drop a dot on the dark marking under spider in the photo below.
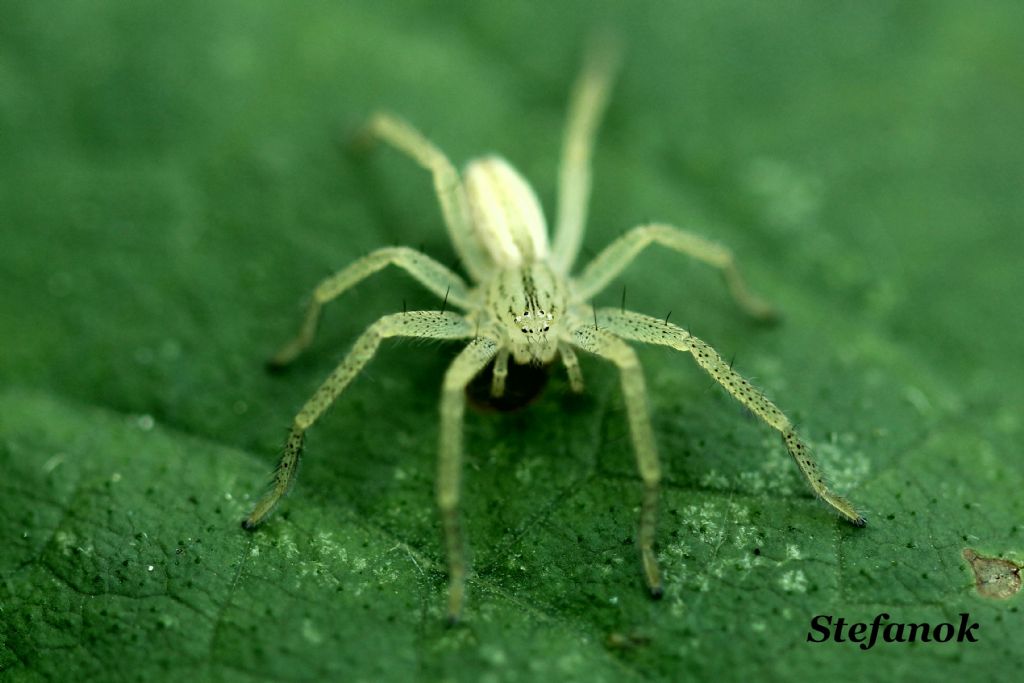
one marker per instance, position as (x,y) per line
(523,385)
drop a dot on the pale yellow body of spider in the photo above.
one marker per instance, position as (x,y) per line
(524,304)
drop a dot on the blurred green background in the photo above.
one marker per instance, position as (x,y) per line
(174,180)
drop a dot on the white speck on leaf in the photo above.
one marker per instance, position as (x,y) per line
(310,632)
(793,581)
(53,463)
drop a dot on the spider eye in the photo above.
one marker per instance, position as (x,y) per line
(525,330)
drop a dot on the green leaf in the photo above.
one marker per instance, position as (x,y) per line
(172,185)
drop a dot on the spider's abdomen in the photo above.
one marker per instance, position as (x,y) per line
(506,216)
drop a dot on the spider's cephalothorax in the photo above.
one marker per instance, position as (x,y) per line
(528,305)
(524,306)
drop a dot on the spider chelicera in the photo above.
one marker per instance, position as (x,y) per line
(524,304)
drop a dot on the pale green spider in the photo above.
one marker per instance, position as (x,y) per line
(523,303)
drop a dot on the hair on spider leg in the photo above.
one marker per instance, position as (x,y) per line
(743,409)
(444,304)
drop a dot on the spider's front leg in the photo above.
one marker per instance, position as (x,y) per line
(650,330)
(463,369)
(421,324)
(602,343)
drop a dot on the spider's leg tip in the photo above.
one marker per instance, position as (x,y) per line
(859,522)
(451,621)
(248,524)
(360,143)
(657,592)
(274,366)
(770,317)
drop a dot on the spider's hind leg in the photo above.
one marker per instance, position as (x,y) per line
(447,184)
(587,105)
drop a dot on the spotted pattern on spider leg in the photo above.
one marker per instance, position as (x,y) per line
(416,324)
(419,324)
(745,393)
(284,478)
(636,326)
